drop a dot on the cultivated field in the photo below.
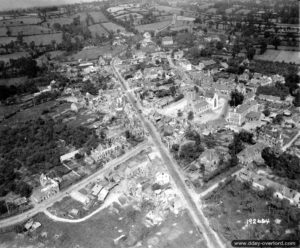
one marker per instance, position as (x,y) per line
(26,29)
(112,26)
(103,228)
(280,55)
(17,55)
(168,9)
(97,29)
(12,81)
(152,26)
(44,39)
(61,21)
(7,40)
(98,16)
(94,53)
(20,21)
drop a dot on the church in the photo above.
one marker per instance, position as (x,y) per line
(200,104)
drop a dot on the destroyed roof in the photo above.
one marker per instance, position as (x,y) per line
(201,104)
(245,106)
(208,62)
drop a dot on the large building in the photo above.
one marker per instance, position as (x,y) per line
(200,104)
(238,115)
(49,187)
(271,137)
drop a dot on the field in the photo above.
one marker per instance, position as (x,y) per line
(94,53)
(17,55)
(34,112)
(6,40)
(279,56)
(135,16)
(112,26)
(44,39)
(231,205)
(26,29)
(168,9)
(97,29)
(12,81)
(152,26)
(60,20)
(20,21)
(98,16)
(105,227)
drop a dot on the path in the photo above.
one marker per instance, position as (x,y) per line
(291,142)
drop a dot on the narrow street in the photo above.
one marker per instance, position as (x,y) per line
(213,240)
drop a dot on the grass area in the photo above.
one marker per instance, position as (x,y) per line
(94,53)
(60,20)
(20,21)
(7,40)
(7,57)
(152,26)
(13,81)
(97,29)
(112,26)
(230,205)
(104,227)
(45,39)
(33,112)
(280,56)
(98,16)
(26,29)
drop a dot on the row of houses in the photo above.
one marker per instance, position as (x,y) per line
(260,182)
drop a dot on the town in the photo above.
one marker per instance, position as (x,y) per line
(163,123)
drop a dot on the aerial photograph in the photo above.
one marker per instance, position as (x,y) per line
(149,123)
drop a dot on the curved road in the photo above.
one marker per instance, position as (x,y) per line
(211,237)
(49,202)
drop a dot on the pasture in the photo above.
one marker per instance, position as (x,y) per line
(44,39)
(168,9)
(60,20)
(112,26)
(7,40)
(279,56)
(29,20)
(26,29)
(152,26)
(97,29)
(94,53)
(97,16)
(6,57)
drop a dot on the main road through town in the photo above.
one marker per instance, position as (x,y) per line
(49,202)
(213,240)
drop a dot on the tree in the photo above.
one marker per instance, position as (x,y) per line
(276,42)
(292,79)
(246,137)
(278,119)
(219,45)
(236,145)
(251,52)
(3,208)
(236,98)
(297,99)
(90,88)
(236,49)
(266,112)
(23,189)
(190,115)
(263,46)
